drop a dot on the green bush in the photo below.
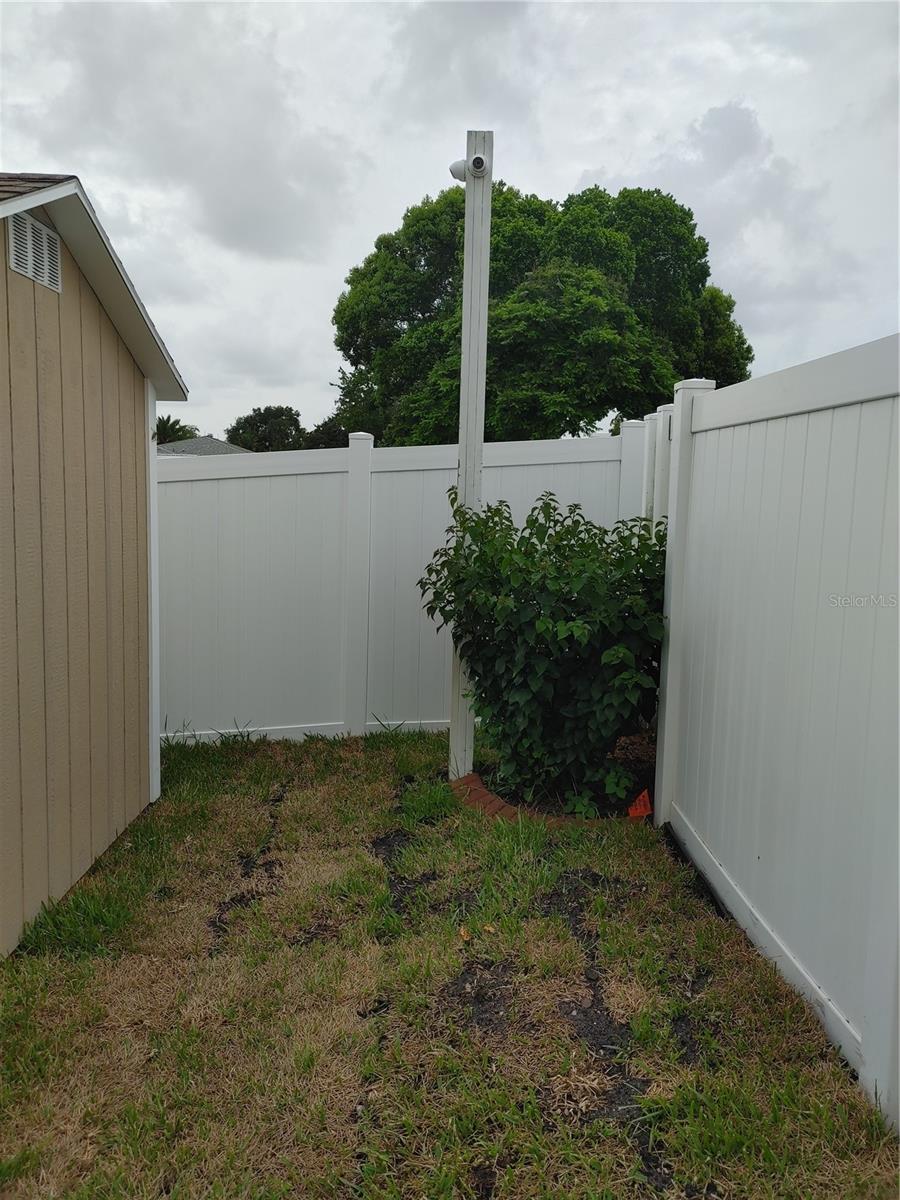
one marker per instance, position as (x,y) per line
(559,625)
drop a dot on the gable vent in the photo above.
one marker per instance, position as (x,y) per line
(34,251)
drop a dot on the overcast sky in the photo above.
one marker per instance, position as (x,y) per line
(244,157)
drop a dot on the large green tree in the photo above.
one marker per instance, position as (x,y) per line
(597,305)
(275,427)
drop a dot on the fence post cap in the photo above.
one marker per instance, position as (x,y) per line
(697,385)
(358,437)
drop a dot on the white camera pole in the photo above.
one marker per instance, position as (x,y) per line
(475,171)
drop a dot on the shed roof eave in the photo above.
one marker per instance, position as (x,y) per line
(77,224)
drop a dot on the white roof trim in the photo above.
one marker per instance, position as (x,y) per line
(78,226)
(69,187)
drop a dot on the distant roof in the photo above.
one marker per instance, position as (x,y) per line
(73,216)
(201,445)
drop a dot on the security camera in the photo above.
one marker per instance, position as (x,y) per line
(476,166)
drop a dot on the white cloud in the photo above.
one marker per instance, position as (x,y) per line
(245,157)
(773,241)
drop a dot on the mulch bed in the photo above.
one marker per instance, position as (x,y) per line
(473,792)
(636,753)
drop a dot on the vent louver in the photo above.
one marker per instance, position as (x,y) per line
(34,251)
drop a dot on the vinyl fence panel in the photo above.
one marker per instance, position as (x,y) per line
(778,768)
(252,594)
(289,601)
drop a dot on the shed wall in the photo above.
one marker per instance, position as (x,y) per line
(74,635)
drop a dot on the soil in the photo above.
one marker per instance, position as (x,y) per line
(685,1035)
(484,1180)
(252,863)
(595,1025)
(698,983)
(218,922)
(461,901)
(388,847)
(567,899)
(698,883)
(403,888)
(637,754)
(485,989)
(258,868)
(571,894)
(320,929)
(608,1039)
(379,1005)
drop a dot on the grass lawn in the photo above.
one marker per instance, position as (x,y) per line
(309,972)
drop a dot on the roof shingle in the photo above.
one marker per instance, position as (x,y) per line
(201,445)
(14,184)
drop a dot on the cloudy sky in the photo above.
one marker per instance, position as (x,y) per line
(244,157)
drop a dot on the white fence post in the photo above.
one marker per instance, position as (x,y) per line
(673,652)
(665,416)
(356,640)
(649,465)
(631,468)
(477,171)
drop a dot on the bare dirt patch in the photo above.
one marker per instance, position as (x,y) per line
(573,891)
(374,1008)
(402,888)
(686,1035)
(598,1014)
(258,868)
(388,846)
(320,929)
(594,1024)
(484,1180)
(484,991)
(460,901)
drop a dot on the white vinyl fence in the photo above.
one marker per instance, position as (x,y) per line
(778,769)
(288,597)
(289,605)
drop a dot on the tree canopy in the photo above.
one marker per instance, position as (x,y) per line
(170,429)
(275,427)
(598,305)
(328,433)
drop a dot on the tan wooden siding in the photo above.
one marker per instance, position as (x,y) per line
(11,896)
(74,612)
(95,488)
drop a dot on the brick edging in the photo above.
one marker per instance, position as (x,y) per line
(471,791)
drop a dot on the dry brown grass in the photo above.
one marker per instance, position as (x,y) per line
(577,1093)
(625,995)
